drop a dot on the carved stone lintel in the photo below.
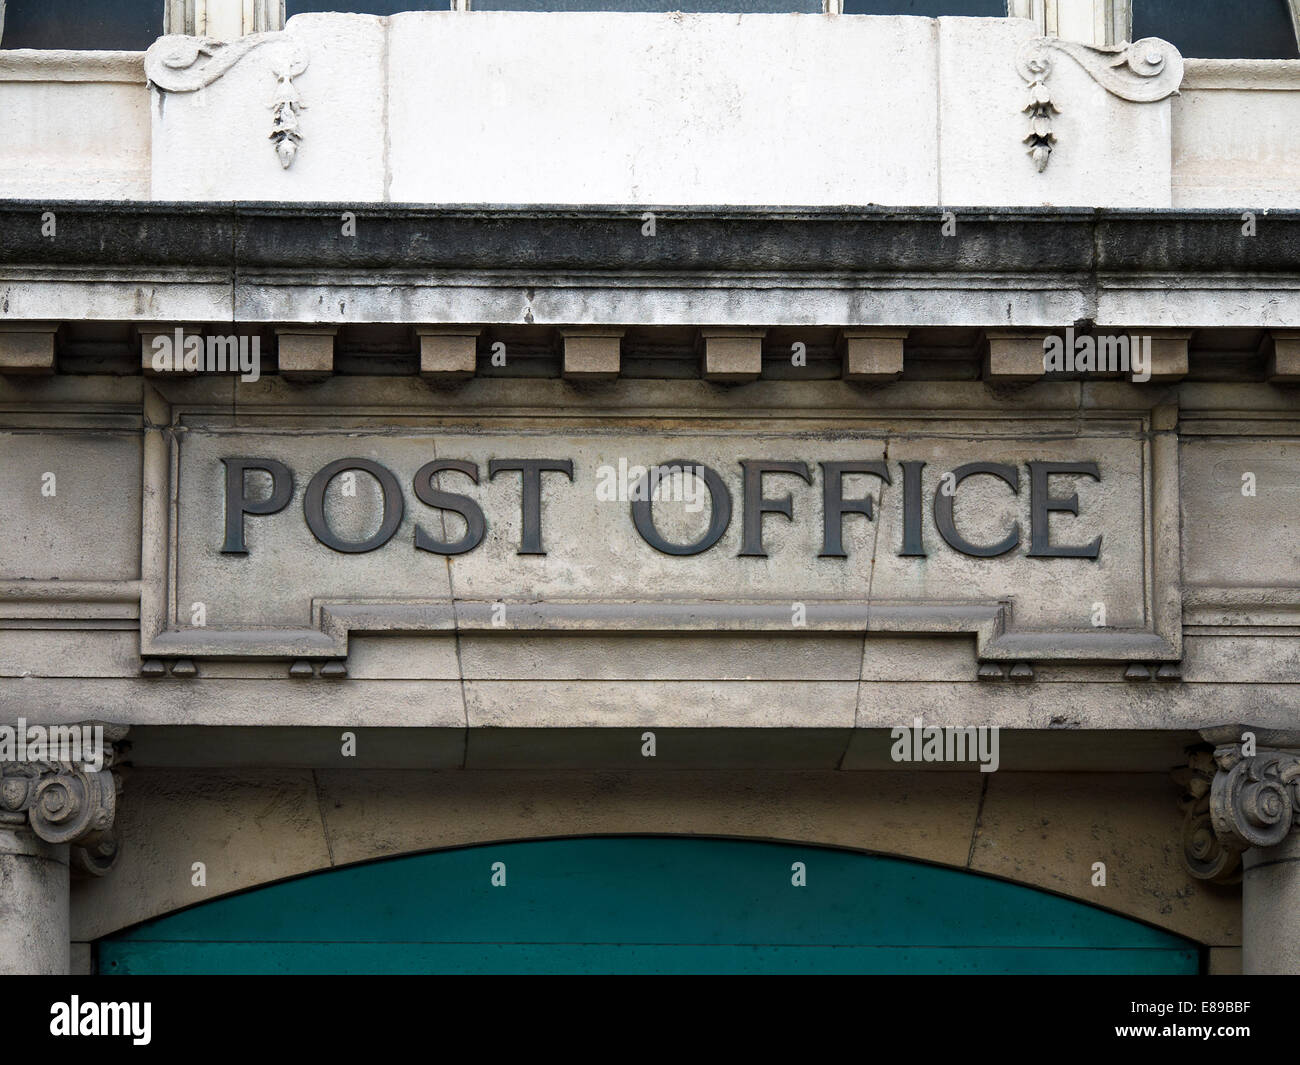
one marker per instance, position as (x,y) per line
(1239,797)
(181,64)
(1142,72)
(68,801)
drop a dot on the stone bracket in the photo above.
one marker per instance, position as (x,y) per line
(181,64)
(67,802)
(1144,71)
(1241,796)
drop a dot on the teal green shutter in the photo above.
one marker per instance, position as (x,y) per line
(645,905)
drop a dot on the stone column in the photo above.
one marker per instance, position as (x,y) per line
(1243,807)
(56,817)
(1270,909)
(33,904)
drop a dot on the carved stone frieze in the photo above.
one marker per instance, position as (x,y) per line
(181,64)
(73,802)
(1142,72)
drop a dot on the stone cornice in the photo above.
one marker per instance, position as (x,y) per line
(705,266)
(1273,74)
(608,237)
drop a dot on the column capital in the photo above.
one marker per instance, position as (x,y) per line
(1241,796)
(63,801)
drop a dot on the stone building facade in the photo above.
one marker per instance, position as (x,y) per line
(336,360)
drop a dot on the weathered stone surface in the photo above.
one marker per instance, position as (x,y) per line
(592,354)
(653,109)
(245,829)
(50,483)
(446,354)
(1014,355)
(27,348)
(922,815)
(1282,350)
(1050,830)
(305,353)
(1225,961)
(1220,143)
(984,127)
(1216,475)
(731,354)
(1227,142)
(224,262)
(97,102)
(872,355)
(1270,896)
(593,550)
(33,905)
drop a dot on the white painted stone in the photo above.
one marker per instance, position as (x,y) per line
(661,108)
(649,109)
(1234,135)
(73,125)
(1109,152)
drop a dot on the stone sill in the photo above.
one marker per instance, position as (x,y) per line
(41,64)
(1241,74)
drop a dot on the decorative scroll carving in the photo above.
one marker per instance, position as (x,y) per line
(1255,799)
(1204,854)
(1237,800)
(1142,72)
(67,802)
(187,64)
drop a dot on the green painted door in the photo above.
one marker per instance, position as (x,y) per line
(645,905)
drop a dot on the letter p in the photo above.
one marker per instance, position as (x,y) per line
(238,504)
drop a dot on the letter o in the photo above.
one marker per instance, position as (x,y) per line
(313,506)
(719,517)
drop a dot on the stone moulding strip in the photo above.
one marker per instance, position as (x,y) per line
(69,591)
(987,622)
(1229,605)
(1205,596)
(716,266)
(58,64)
(69,598)
(1280,75)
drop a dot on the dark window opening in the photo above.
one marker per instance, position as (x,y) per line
(741,7)
(364,7)
(927,8)
(1219,29)
(104,25)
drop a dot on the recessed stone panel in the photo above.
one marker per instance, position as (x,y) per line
(292,539)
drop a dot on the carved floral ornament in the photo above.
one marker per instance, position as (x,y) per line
(181,64)
(1235,799)
(67,802)
(1142,72)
